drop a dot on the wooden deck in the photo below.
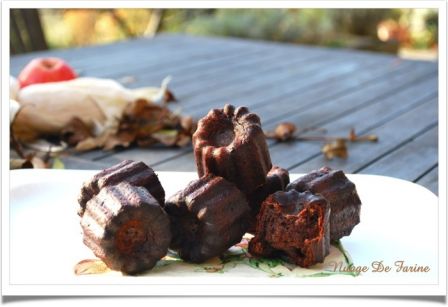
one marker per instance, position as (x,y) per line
(334,89)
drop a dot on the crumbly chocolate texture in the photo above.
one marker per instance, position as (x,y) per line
(294,226)
(276,180)
(136,173)
(126,227)
(341,194)
(207,217)
(230,143)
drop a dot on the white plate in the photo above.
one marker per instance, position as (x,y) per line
(398,223)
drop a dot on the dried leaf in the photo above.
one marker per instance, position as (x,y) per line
(166,137)
(20,163)
(76,131)
(91,266)
(187,124)
(146,142)
(122,139)
(337,148)
(183,140)
(284,131)
(58,164)
(355,138)
(169,97)
(92,143)
(352,135)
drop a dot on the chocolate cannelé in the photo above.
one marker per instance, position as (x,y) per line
(126,227)
(230,143)
(294,226)
(136,173)
(207,217)
(341,194)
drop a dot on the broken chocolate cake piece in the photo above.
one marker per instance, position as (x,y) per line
(126,227)
(207,217)
(293,226)
(136,173)
(276,180)
(341,194)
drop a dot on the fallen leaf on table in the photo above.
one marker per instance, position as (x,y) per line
(20,163)
(284,131)
(169,97)
(353,137)
(337,148)
(121,139)
(187,123)
(75,131)
(91,266)
(58,164)
(93,142)
(166,137)
(183,140)
(334,146)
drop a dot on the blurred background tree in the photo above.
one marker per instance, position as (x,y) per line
(386,30)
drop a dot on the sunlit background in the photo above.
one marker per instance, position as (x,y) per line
(411,33)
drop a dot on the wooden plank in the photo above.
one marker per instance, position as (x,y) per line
(78,55)
(357,93)
(265,77)
(138,57)
(76,163)
(279,85)
(187,82)
(150,156)
(283,58)
(392,135)
(365,120)
(411,160)
(146,63)
(307,88)
(381,98)
(430,180)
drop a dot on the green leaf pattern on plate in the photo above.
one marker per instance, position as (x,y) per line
(237,260)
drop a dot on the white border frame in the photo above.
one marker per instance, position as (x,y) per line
(189,288)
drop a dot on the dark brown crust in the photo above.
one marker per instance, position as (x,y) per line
(207,217)
(230,143)
(111,212)
(294,226)
(340,192)
(276,180)
(136,173)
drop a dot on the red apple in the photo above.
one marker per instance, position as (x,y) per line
(42,70)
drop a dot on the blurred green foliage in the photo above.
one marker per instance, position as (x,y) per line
(357,28)
(330,27)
